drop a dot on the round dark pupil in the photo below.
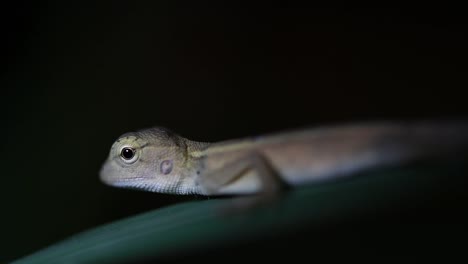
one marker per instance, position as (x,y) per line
(127,153)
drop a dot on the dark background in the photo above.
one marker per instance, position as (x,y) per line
(76,76)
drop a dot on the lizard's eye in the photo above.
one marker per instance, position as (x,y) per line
(128,154)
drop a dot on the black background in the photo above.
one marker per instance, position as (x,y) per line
(76,76)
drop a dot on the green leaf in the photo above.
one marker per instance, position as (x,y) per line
(374,209)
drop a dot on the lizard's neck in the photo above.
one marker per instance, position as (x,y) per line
(193,165)
(195,149)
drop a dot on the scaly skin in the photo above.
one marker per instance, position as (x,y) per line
(167,163)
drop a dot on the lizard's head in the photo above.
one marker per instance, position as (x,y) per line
(153,159)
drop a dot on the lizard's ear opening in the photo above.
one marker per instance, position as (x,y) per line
(166,167)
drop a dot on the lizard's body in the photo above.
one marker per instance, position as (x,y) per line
(167,163)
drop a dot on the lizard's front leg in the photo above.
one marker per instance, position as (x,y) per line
(212,181)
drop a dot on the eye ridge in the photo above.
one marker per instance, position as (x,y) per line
(127,153)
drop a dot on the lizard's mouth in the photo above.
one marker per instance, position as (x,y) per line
(132,179)
(137,183)
(123,181)
(112,175)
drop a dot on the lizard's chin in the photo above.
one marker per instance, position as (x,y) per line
(122,182)
(134,183)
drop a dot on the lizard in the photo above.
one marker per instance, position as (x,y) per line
(159,160)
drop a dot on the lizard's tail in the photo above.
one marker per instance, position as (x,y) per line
(424,140)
